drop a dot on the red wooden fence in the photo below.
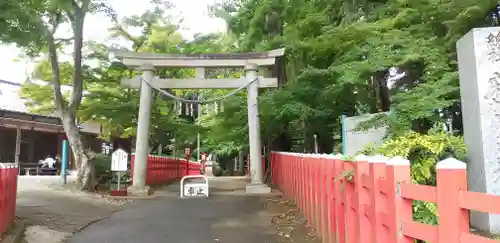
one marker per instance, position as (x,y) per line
(8,194)
(376,205)
(162,169)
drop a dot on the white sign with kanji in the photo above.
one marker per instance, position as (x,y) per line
(119,160)
(189,188)
(195,190)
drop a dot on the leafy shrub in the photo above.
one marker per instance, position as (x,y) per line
(102,166)
(424,151)
(216,169)
(125,180)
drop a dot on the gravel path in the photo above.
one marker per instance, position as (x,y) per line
(53,212)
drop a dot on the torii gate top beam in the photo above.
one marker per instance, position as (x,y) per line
(134,59)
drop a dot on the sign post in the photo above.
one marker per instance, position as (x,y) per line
(203,162)
(64,160)
(119,160)
(187,152)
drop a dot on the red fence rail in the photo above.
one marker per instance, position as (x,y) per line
(162,169)
(8,194)
(375,205)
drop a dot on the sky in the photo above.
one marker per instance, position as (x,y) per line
(193,12)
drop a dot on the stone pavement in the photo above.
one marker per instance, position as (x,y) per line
(227,216)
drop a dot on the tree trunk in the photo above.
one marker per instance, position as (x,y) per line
(67,110)
(241,161)
(86,176)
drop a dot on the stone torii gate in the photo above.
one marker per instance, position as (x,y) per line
(147,62)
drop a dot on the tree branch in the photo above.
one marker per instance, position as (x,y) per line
(54,21)
(85,6)
(63,40)
(77,79)
(56,74)
(70,16)
(137,42)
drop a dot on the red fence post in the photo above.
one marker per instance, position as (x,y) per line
(286,177)
(350,206)
(300,174)
(453,220)
(162,177)
(340,200)
(291,174)
(277,168)
(14,171)
(309,185)
(378,200)
(323,199)
(283,158)
(8,193)
(330,198)
(3,198)
(168,168)
(273,167)
(312,187)
(363,189)
(399,209)
(315,189)
(301,171)
(286,159)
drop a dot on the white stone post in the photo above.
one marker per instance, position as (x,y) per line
(480,96)
(139,187)
(257,185)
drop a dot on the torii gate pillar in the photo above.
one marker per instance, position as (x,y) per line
(139,187)
(257,175)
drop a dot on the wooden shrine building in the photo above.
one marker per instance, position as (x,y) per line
(26,138)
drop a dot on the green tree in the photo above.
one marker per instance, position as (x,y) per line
(106,102)
(32,26)
(343,58)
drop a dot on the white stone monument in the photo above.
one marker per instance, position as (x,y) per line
(356,140)
(479,69)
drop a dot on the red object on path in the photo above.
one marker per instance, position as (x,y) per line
(8,194)
(203,160)
(119,193)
